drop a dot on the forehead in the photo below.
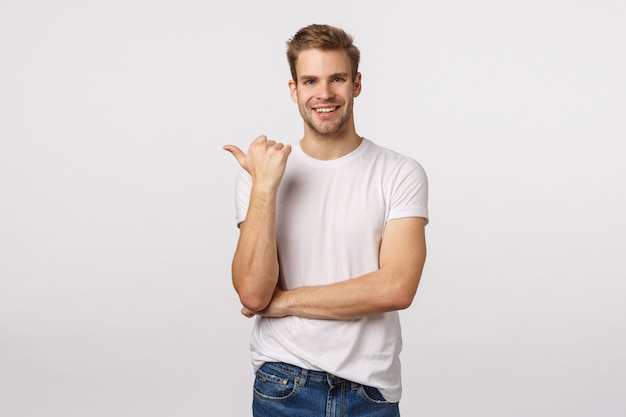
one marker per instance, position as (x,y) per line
(319,63)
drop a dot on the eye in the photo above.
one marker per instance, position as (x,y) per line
(307,82)
(339,80)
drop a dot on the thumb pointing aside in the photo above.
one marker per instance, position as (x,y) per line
(237,153)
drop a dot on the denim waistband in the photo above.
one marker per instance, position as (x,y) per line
(302,375)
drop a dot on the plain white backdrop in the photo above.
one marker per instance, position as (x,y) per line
(117,220)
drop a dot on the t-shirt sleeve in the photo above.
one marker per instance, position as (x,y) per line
(243,188)
(409,195)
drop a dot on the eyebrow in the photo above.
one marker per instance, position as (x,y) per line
(313,77)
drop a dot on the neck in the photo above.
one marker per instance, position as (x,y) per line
(327,149)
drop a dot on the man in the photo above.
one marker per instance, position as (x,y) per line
(331,246)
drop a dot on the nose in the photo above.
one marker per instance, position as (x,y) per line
(325,91)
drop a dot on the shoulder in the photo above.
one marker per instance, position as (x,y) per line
(391,159)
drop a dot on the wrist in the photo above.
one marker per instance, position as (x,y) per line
(267,189)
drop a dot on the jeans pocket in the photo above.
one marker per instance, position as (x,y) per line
(372,395)
(271,384)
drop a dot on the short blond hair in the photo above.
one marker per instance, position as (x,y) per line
(325,38)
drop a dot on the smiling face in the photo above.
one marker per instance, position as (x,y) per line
(325,92)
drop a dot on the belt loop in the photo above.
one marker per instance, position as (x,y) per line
(301,379)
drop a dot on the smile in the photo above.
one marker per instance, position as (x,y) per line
(324,110)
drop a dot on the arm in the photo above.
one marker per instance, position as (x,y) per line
(391,287)
(255,263)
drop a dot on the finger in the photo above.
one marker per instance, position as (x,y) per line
(281,146)
(260,139)
(237,153)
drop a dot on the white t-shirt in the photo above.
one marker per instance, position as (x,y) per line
(329,225)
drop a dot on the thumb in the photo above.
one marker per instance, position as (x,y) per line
(237,153)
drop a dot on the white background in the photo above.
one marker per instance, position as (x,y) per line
(117,218)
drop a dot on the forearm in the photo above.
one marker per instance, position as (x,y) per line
(376,292)
(392,287)
(255,264)
(346,300)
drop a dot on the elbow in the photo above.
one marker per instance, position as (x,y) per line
(252,300)
(253,297)
(404,286)
(255,286)
(403,294)
(403,300)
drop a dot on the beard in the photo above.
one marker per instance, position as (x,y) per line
(327,128)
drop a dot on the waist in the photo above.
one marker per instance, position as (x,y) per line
(301,374)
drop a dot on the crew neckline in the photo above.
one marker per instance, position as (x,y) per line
(332,162)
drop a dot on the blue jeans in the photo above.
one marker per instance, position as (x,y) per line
(283,390)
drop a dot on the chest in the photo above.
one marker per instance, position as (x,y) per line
(335,207)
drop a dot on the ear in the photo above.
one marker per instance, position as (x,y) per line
(293,91)
(357,84)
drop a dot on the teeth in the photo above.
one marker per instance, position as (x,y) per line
(325,109)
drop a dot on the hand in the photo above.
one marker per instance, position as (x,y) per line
(265,161)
